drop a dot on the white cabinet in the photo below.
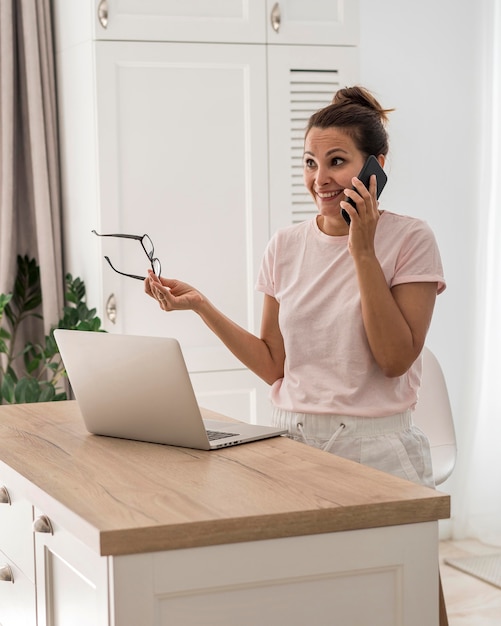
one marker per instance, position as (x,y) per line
(302,80)
(17,574)
(112,532)
(379,576)
(184,120)
(290,580)
(234,392)
(183,157)
(17,595)
(71,580)
(47,576)
(181,20)
(312,22)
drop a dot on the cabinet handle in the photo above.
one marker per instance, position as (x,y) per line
(102,13)
(4,496)
(43,525)
(6,574)
(111,308)
(276,17)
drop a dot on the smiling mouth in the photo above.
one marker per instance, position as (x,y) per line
(327,195)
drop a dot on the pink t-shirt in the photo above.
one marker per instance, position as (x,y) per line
(329,368)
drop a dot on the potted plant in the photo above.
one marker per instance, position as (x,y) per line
(34,372)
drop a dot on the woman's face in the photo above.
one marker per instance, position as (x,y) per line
(330,161)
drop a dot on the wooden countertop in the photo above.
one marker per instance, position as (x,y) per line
(124,497)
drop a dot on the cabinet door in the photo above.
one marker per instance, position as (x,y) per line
(313,22)
(301,80)
(181,20)
(183,157)
(238,393)
(71,581)
(377,576)
(17,595)
(16,535)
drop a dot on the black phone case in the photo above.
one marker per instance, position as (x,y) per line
(371,166)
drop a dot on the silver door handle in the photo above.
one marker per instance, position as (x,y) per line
(6,574)
(276,17)
(111,308)
(102,13)
(43,525)
(4,496)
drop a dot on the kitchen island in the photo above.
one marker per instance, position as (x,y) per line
(111,532)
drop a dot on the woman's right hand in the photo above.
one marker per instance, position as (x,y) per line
(172,295)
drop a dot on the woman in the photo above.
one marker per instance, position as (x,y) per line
(346,308)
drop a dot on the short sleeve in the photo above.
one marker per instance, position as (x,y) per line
(266,276)
(419,258)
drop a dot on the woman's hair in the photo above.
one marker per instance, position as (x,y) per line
(359,114)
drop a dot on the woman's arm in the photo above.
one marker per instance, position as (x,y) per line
(396,320)
(263,355)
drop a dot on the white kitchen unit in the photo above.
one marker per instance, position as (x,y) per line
(184,120)
(17,601)
(310,22)
(127,533)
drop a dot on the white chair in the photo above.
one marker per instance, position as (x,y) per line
(433,415)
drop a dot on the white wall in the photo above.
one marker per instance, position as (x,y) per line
(426,60)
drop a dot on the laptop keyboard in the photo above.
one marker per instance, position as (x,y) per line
(216,434)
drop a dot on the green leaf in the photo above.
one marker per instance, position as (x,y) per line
(27,390)
(10,372)
(33,302)
(32,365)
(47,393)
(22,303)
(4,301)
(7,389)
(27,294)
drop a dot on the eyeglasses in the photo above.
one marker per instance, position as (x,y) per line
(148,248)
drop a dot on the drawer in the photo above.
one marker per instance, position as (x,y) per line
(17,597)
(71,581)
(16,532)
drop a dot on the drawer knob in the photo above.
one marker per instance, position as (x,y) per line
(42,525)
(4,496)
(111,308)
(6,574)
(102,13)
(276,17)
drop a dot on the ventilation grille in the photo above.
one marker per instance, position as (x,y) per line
(309,90)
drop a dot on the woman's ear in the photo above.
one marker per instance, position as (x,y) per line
(381,160)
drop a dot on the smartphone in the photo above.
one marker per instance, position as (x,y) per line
(370,167)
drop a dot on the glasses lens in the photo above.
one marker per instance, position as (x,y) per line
(147,245)
(157,268)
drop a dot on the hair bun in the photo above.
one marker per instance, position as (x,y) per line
(359,96)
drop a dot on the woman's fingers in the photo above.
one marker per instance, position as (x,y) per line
(364,199)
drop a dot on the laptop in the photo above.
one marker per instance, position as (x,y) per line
(139,388)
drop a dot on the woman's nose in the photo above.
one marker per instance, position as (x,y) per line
(323,175)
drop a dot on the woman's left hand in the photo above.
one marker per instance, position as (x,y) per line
(364,218)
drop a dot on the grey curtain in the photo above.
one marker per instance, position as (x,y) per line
(30,219)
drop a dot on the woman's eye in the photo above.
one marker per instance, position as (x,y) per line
(337,161)
(309,163)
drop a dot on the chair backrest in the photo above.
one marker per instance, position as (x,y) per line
(433,415)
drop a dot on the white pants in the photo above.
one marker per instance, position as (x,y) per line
(392,444)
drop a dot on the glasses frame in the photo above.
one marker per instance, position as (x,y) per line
(156,266)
